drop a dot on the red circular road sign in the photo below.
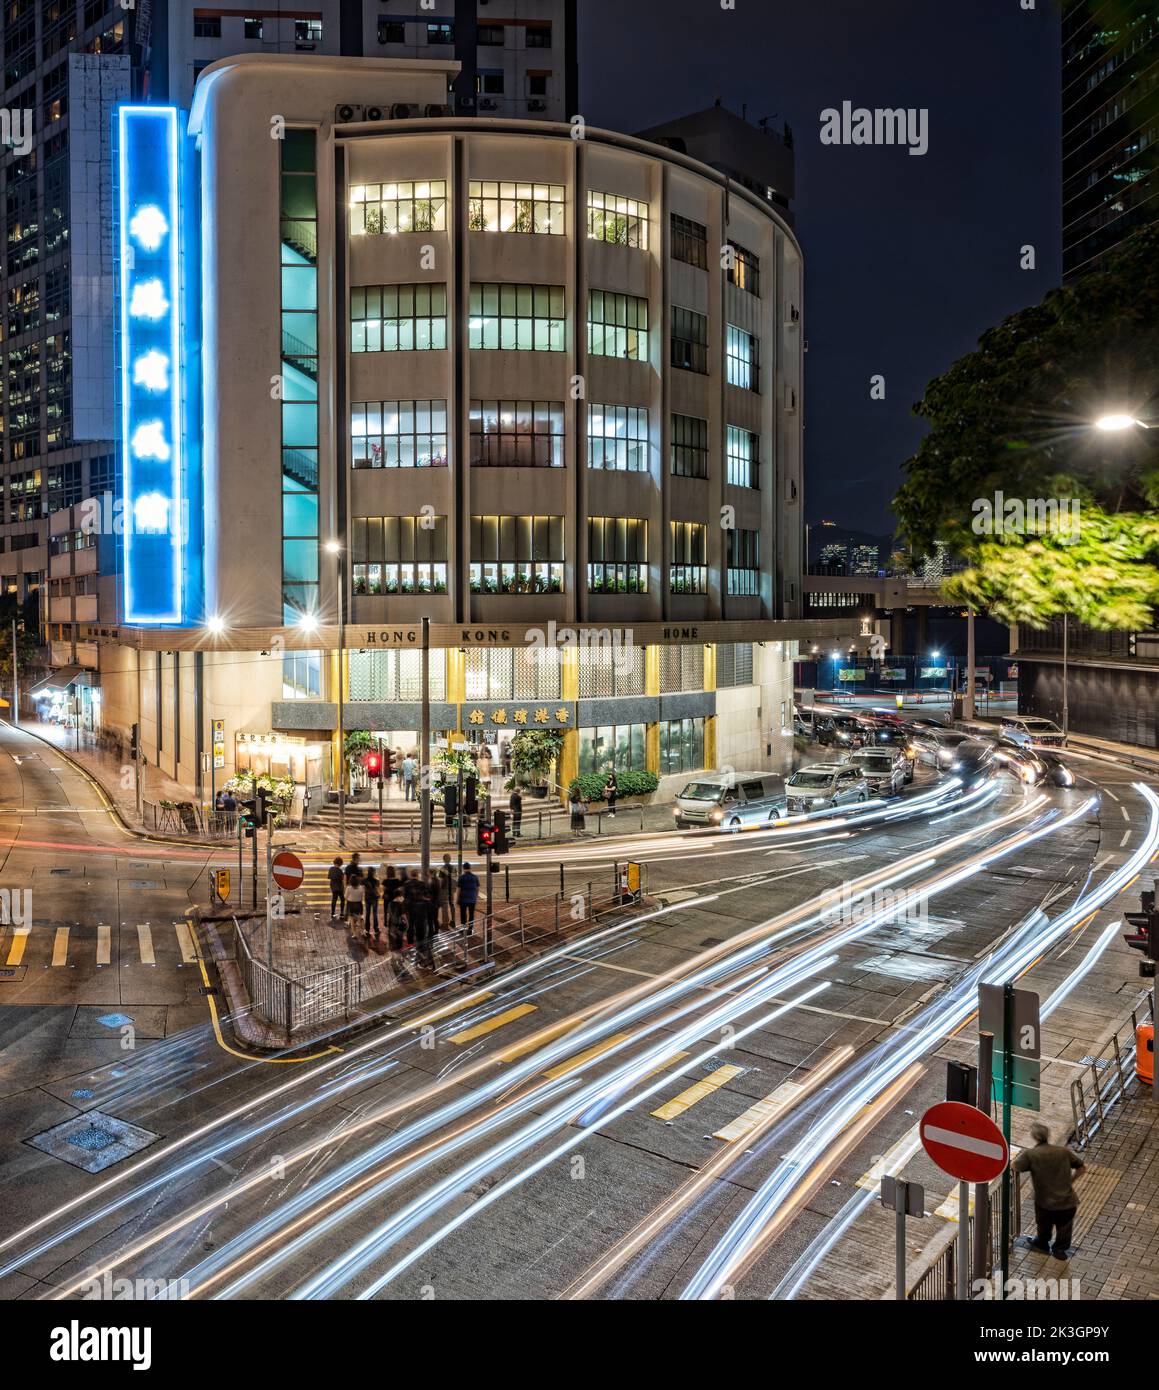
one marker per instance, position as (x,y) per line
(963,1141)
(288,870)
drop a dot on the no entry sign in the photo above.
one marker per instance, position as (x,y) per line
(288,870)
(963,1142)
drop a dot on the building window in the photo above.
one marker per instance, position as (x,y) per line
(252,27)
(388,208)
(618,438)
(512,673)
(681,745)
(622,221)
(391,31)
(302,676)
(517,554)
(307,32)
(689,242)
(681,668)
(742,457)
(690,340)
(744,562)
(490,84)
(741,356)
(608,746)
(688,572)
(518,434)
(617,325)
(689,445)
(440,33)
(744,270)
(611,669)
(490,35)
(206,26)
(399,554)
(398,434)
(398,318)
(734,664)
(617,555)
(515,207)
(395,675)
(524,318)
(537,84)
(537,35)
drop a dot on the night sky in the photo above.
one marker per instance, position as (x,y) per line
(908,259)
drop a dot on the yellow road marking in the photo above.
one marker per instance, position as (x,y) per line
(544,1036)
(104,945)
(19,941)
(892,1161)
(489,1025)
(664,1065)
(457,1007)
(145,942)
(185,941)
(60,946)
(585,1056)
(695,1093)
(785,1095)
(249,1056)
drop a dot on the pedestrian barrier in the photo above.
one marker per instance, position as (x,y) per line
(938,1284)
(1103,1082)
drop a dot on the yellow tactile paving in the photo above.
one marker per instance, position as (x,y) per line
(19,942)
(574,1063)
(540,1039)
(780,1099)
(456,1007)
(695,1093)
(60,947)
(489,1025)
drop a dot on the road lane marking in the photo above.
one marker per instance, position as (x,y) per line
(574,1063)
(60,947)
(489,1025)
(145,942)
(104,945)
(664,1065)
(185,941)
(695,1093)
(784,1096)
(456,1006)
(19,942)
(540,1039)
(1124,811)
(1126,837)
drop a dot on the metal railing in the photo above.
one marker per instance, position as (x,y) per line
(938,1284)
(188,819)
(1093,1095)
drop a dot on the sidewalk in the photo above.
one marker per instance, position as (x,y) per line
(1116,1233)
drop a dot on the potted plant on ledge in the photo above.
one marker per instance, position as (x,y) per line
(534,752)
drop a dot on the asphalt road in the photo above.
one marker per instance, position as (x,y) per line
(511,1147)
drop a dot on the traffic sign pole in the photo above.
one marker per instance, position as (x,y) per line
(982,1189)
(1007,1106)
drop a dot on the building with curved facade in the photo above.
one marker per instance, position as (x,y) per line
(537,383)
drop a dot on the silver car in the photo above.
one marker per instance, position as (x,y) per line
(1031,732)
(823,785)
(886,770)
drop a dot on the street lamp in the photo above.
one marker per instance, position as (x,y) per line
(1116,423)
(215,625)
(334,548)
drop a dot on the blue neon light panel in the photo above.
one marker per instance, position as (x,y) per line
(150,294)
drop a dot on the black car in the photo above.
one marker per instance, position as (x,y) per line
(840,731)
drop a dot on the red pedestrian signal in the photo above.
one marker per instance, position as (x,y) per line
(485,838)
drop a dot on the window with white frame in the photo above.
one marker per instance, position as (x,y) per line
(385,209)
(621,221)
(618,438)
(497,206)
(398,434)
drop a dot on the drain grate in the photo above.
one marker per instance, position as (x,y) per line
(92,1140)
(60,871)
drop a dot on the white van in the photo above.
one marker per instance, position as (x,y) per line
(731,799)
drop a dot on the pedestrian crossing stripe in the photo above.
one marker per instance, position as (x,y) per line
(480,1030)
(65,943)
(60,947)
(574,1063)
(104,945)
(185,942)
(540,1039)
(718,1077)
(892,1161)
(457,1006)
(19,942)
(781,1099)
(145,944)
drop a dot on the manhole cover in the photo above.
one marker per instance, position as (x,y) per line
(142,883)
(94,1141)
(13,972)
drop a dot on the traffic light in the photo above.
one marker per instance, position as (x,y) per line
(387,762)
(501,845)
(471,797)
(263,806)
(247,818)
(373,765)
(484,837)
(1145,936)
(450,800)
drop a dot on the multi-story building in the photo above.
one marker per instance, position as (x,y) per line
(1110,113)
(67,64)
(539,386)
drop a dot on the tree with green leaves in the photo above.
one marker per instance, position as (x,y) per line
(1017,417)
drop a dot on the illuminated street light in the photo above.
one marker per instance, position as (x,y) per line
(332,548)
(308,622)
(215,625)
(1115,424)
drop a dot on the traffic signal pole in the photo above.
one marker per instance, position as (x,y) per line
(425,754)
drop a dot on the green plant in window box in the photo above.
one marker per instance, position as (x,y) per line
(523,216)
(476,218)
(534,752)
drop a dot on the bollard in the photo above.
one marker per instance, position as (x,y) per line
(561,887)
(506,883)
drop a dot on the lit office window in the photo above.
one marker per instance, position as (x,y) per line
(523,318)
(399,554)
(517,434)
(742,457)
(689,347)
(689,447)
(741,359)
(398,434)
(440,33)
(307,32)
(389,208)
(493,206)
(745,270)
(618,438)
(517,554)
(681,745)
(688,572)
(398,318)
(617,555)
(744,562)
(622,221)
(617,325)
(302,676)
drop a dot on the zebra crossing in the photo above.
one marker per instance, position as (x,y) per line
(138,944)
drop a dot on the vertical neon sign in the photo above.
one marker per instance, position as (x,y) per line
(151,386)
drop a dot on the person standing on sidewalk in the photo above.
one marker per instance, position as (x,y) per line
(611,791)
(516,805)
(468,899)
(575,805)
(1055,1203)
(373,891)
(355,895)
(408,778)
(337,889)
(446,894)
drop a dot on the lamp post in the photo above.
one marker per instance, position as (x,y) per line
(335,549)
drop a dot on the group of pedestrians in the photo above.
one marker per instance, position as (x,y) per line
(412,907)
(577,806)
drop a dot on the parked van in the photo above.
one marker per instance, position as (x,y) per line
(731,799)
